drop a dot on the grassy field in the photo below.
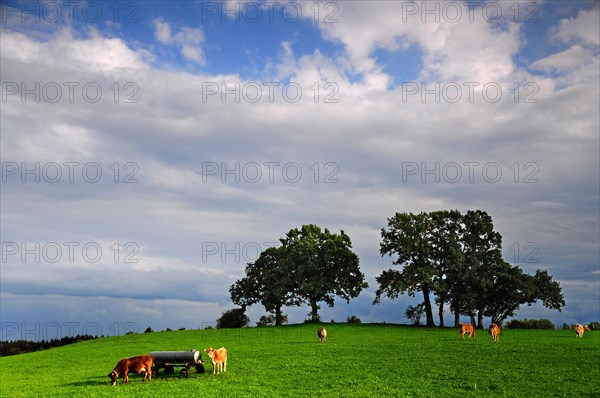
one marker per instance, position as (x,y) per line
(356,361)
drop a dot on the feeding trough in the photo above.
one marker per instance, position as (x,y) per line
(168,360)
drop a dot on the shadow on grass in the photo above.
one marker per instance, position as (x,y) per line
(89,382)
(301,342)
(133,379)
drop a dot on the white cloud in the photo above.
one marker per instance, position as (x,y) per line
(193,54)
(188,40)
(581,29)
(465,50)
(95,54)
(572,58)
(162,31)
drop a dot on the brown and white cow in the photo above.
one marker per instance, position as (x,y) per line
(494,331)
(466,328)
(139,364)
(579,329)
(322,334)
(219,358)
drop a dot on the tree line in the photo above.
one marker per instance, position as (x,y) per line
(454,257)
(24,346)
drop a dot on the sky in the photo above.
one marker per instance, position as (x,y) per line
(151,149)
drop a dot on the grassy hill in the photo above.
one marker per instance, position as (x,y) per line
(357,360)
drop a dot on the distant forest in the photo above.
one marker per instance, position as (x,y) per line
(23,346)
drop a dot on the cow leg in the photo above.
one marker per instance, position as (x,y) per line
(145,372)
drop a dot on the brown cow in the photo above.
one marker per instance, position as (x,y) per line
(219,358)
(322,334)
(494,331)
(466,328)
(140,364)
(579,329)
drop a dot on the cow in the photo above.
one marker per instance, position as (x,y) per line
(579,329)
(494,331)
(466,328)
(219,358)
(322,334)
(139,364)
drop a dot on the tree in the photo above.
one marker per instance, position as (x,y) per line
(323,265)
(445,231)
(512,288)
(268,281)
(414,313)
(269,320)
(482,250)
(458,258)
(353,319)
(233,318)
(406,237)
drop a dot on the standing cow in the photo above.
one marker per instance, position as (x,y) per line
(466,328)
(322,334)
(494,331)
(140,364)
(219,359)
(580,329)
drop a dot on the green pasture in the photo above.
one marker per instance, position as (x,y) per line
(356,361)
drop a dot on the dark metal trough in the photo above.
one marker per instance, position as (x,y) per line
(168,360)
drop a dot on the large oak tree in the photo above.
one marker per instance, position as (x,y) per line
(323,265)
(311,266)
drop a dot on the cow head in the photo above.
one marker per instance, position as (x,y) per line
(209,351)
(113,377)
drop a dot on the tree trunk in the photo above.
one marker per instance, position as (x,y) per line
(456,313)
(278,315)
(480,319)
(314,311)
(441,313)
(472,316)
(428,311)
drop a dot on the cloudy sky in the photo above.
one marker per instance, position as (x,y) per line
(151,149)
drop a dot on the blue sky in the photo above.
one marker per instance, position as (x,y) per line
(150,152)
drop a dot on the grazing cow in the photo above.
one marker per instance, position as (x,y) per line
(219,358)
(141,364)
(494,331)
(466,328)
(322,333)
(579,329)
